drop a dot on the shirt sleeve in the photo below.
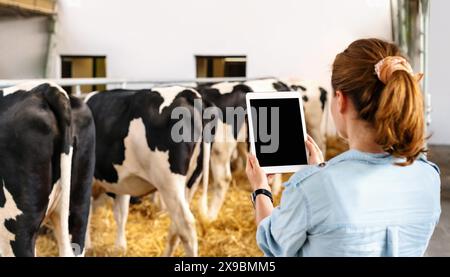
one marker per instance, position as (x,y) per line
(283,233)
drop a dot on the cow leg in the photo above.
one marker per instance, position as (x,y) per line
(183,222)
(190,192)
(222,177)
(219,187)
(23,211)
(83,166)
(61,234)
(173,240)
(78,225)
(241,157)
(121,205)
(22,242)
(242,148)
(157,201)
(88,241)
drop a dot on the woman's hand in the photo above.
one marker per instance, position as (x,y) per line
(256,176)
(259,180)
(315,155)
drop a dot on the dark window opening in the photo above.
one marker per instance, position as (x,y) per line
(84,67)
(221,66)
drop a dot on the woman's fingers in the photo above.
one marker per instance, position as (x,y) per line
(250,160)
(255,174)
(253,160)
(310,146)
(310,139)
(313,142)
(253,163)
(249,166)
(313,146)
(314,152)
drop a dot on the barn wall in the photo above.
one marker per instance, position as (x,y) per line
(158,39)
(23,46)
(439,72)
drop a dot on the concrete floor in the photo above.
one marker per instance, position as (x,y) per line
(440,241)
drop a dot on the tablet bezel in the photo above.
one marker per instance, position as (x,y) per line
(275,95)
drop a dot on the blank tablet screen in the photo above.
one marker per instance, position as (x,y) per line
(290,148)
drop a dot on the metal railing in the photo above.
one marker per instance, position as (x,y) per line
(76,83)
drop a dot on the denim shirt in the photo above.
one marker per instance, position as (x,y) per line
(357,204)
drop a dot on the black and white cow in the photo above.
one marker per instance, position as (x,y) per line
(46,168)
(136,155)
(315,104)
(232,94)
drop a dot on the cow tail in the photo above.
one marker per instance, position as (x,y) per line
(205,180)
(59,103)
(206,144)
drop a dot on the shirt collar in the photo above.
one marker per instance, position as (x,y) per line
(376,158)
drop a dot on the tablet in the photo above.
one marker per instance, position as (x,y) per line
(277,130)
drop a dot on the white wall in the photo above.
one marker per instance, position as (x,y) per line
(23,46)
(158,39)
(439,72)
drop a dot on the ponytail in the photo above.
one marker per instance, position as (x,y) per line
(385,93)
(399,119)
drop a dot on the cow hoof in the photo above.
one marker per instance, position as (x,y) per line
(211,218)
(67,254)
(120,249)
(88,245)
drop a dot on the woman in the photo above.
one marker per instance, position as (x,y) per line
(380,198)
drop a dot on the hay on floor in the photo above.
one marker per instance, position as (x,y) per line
(232,234)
